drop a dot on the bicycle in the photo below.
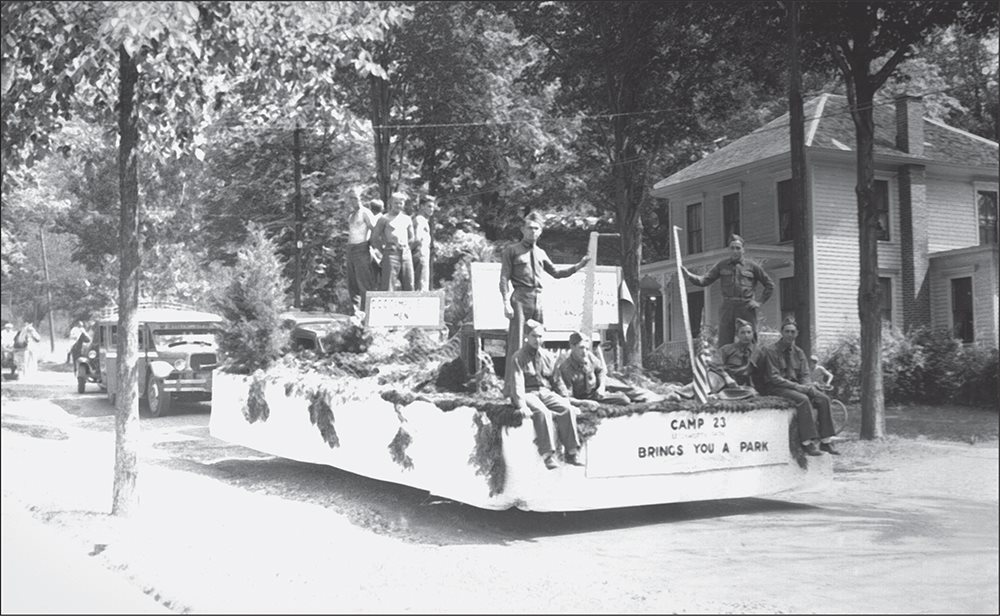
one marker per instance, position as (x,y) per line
(838,410)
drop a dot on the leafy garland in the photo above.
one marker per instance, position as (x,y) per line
(487,453)
(321,415)
(397,448)
(257,408)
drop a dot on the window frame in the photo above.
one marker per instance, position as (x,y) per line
(778,203)
(783,301)
(695,232)
(887,209)
(886,297)
(726,223)
(986,187)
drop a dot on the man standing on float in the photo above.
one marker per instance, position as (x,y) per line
(521,266)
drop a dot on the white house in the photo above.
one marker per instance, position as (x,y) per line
(936,186)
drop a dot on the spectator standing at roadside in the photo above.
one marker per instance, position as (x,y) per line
(393,237)
(422,243)
(360,275)
(74,335)
(29,338)
(740,276)
(534,373)
(787,375)
(521,267)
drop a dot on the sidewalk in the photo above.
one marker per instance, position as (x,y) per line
(42,573)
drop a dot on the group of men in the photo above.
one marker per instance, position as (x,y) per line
(390,251)
(550,392)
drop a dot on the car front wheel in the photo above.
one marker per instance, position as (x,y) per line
(159,401)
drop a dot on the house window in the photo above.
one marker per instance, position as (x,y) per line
(785,233)
(730,216)
(885,299)
(986,201)
(961,309)
(661,234)
(881,199)
(694,228)
(789,298)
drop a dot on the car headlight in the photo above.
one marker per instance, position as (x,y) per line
(92,354)
(180,364)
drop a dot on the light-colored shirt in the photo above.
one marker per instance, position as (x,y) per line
(393,231)
(421,235)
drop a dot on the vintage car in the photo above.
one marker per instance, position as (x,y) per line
(309,329)
(177,353)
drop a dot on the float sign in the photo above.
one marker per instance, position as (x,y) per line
(404,309)
(684,442)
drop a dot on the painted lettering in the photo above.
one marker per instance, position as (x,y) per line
(686,424)
(704,447)
(657,451)
(750,446)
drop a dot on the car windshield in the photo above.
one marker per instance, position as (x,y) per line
(165,338)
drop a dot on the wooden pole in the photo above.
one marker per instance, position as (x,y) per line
(48,292)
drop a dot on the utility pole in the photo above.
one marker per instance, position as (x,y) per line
(297,150)
(48,292)
(801,236)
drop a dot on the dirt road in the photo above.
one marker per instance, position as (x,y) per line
(907,525)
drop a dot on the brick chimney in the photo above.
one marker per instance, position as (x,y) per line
(910,124)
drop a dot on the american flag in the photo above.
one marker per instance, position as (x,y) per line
(700,383)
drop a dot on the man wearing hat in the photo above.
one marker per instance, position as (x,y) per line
(521,267)
(393,237)
(422,243)
(740,276)
(787,374)
(534,372)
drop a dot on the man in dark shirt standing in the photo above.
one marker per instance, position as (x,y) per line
(534,375)
(521,266)
(787,375)
(740,276)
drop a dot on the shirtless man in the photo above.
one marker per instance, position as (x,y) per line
(360,276)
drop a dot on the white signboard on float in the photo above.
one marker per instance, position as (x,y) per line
(562,298)
(404,309)
(684,442)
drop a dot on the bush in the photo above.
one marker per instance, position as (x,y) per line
(922,365)
(253,333)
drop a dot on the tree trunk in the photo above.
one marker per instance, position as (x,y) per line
(380,102)
(872,402)
(127,410)
(801,228)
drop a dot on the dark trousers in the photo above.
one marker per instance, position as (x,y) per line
(810,410)
(361,276)
(730,311)
(553,417)
(527,305)
(397,269)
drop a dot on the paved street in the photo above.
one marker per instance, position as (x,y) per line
(906,526)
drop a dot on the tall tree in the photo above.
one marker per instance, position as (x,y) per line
(646,76)
(868,41)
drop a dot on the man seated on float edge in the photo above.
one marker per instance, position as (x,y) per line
(584,379)
(532,394)
(740,358)
(787,375)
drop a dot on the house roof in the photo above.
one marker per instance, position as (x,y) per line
(829,126)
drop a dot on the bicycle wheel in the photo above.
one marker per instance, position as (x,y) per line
(839,412)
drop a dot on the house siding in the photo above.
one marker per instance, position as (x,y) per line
(980,265)
(952,218)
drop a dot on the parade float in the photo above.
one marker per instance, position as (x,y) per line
(401,406)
